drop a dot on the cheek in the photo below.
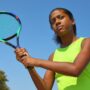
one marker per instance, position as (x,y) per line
(54,28)
(67,24)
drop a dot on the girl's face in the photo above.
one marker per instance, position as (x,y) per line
(61,22)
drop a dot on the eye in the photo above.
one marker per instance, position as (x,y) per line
(53,20)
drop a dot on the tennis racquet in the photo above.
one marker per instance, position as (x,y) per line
(10,27)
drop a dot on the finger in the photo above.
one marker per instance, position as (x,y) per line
(20,50)
(20,53)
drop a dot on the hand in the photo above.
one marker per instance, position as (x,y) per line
(21,53)
(23,57)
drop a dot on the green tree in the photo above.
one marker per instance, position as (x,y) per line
(3,79)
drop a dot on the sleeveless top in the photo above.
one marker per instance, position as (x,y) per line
(68,54)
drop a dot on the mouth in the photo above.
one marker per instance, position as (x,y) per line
(59,27)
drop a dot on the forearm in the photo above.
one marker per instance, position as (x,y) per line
(38,81)
(59,67)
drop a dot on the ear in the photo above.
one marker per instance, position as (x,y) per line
(73,22)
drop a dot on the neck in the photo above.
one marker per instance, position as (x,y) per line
(68,39)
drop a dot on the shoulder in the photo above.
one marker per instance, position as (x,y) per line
(85,42)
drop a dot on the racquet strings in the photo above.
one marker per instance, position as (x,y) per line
(8,26)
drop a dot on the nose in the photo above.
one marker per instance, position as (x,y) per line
(58,21)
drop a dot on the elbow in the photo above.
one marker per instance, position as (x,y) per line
(76,73)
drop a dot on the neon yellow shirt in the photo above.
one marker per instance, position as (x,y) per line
(68,54)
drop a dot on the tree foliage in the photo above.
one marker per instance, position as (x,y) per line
(3,79)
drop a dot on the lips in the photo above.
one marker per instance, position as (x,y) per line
(59,27)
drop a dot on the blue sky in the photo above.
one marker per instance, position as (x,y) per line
(37,36)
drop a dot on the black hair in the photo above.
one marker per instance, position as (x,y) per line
(57,38)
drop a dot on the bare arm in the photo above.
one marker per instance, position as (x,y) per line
(42,84)
(73,69)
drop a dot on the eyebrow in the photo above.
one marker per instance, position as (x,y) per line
(57,16)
